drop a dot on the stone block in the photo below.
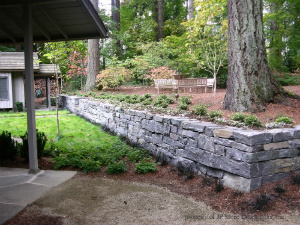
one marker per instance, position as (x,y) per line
(295,143)
(252,138)
(158,118)
(234,154)
(223,133)
(297,132)
(173,129)
(246,148)
(222,141)
(214,172)
(206,143)
(191,142)
(277,145)
(174,136)
(241,183)
(190,134)
(274,177)
(219,150)
(194,126)
(280,135)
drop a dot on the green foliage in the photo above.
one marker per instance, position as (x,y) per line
(252,120)
(214,115)
(240,117)
(135,155)
(287,80)
(284,119)
(183,106)
(163,101)
(19,106)
(41,140)
(9,148)
(145,166)
(200,110)
(184,102)
(116,168)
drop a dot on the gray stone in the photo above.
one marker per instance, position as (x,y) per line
(223,133)
(194,126)
(297,132)
(174,136)
(295,143)
(190,134)
(288,153)
(192,143)
(173,129)
(157,138)
(241,183)
(282,136)
(252,138)
(214,172)
(277,145)
(222,141)
(158,118)
(234,154)
(219,150)
(274,177)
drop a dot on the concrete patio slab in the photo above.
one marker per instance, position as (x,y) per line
(18,188)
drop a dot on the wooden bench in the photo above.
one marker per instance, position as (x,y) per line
(210,84)
(192,83)
(165,83)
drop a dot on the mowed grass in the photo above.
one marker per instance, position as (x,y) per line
(37,113)
(76,132)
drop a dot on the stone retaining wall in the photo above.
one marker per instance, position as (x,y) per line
(243,159)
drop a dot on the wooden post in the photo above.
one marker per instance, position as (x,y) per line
(48,90)
(29,90)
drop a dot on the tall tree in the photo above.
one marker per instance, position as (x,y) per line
(250,83)
(190,9)
(160,19)
(93,58)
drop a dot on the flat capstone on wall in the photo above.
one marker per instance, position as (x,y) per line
(243,159)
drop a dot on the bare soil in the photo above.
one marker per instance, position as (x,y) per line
(289,107)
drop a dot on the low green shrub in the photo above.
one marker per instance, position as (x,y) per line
(9,148)
(116,168)
(89,165)
(135,155)
(284,119)
(183,106)
(41,140)
(200,110)
(185,100)
(163,101)
(145,166)
(214,114)
(252,120)
(240,117)
(19,106)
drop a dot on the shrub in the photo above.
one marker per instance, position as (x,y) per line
(200,110)
(214,114)
(279,189)
(185,100)
(145,166)
(116,168)
(112,77)
(89,165)
(163,101)
(135,155)
(9,148)
(219,186)
(41,140)
(261,201)
(240,117)
(162,72)
(252,120)
(284,119)
(183,106)
(19,106)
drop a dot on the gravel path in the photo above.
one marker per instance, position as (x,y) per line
(85,200)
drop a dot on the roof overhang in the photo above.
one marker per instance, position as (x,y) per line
(53,20)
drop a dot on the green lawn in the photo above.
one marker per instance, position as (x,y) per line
(82,144)
(37,113)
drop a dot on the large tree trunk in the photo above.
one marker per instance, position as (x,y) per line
(93,58)
(250,84)
(190,9)
(160,20)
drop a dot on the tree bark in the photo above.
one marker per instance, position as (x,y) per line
(93,58)
(250,83)
(160,20)
(190,9)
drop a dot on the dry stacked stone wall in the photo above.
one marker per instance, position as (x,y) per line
(243,159)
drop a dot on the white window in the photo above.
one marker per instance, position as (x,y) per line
(3,88)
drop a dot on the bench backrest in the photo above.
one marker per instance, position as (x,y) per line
(210,82)
(164,82)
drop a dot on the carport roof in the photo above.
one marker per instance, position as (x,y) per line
(53,20)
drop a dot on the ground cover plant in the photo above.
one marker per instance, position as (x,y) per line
(37,113)
(82,145)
